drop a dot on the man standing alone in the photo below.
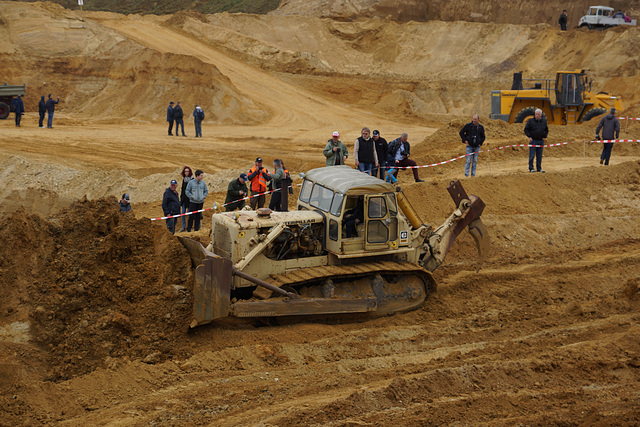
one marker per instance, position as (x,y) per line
(18,108)
(50,105)
(171,205)
(196,191)
(198,117)
(178,115)
(364,152)
(171,118)
(472,135)
(42,108)
(610,130)
(563,20)
(537,131)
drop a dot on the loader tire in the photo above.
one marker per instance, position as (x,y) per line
(526,112)
(4,111)
(593,113)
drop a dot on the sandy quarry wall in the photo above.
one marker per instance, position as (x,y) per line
(513,12)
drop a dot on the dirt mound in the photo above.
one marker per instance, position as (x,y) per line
(100,285)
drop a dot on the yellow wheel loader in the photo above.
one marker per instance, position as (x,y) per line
(566,100)
(264,263)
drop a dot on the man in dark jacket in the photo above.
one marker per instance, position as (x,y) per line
(125,203)
(171,118)
(18,107)
(537,131)
(610,130)
(42,108)
(171,205)
(472,135)
(198,117)
(563,20)
(364,152)
(353,217)
(398,157)
(50,106)
(236,192)
(382,150)
(178,114)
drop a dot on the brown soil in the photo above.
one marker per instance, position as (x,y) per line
(95,304)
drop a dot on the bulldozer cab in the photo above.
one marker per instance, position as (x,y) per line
(570,88)
(341,195)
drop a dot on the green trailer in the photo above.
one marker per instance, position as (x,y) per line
(7,93)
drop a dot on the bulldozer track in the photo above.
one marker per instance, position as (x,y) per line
(306,275)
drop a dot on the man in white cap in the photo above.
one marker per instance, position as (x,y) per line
(171,205)
(335,151)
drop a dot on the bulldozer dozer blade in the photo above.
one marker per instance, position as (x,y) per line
(196,251)
(480,234)
(212,290)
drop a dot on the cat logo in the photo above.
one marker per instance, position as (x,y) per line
(404,237)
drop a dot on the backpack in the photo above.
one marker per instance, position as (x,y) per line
(200,115)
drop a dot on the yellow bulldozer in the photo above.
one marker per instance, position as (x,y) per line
(566,100)
(306,262)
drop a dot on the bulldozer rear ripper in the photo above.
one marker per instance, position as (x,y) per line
(263,263)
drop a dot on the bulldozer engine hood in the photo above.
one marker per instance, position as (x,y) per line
(346,180)
(251,219)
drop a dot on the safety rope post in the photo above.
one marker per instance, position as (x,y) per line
(489,154)
(584,152)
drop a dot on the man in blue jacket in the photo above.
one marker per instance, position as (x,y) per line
(170,117)
(171,205)
(42,108)
(196,191)
(198,117)
(50,106)
(18,107)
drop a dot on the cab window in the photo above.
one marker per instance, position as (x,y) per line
(377,207)
(336,205)
(321,198)
(306,191)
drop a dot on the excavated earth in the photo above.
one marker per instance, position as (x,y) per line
(95,305)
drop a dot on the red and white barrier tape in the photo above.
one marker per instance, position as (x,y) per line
(602,141)
(628,118)
(224,204)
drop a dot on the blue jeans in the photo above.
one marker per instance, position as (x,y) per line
(184,209)
(198,124)
(606,152)
(171,224)
(537,153)
(391,175)
(366,167)
(49,119)
(41,119)
(178,123)
(472,160)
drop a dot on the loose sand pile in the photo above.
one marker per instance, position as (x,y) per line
(95,285)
